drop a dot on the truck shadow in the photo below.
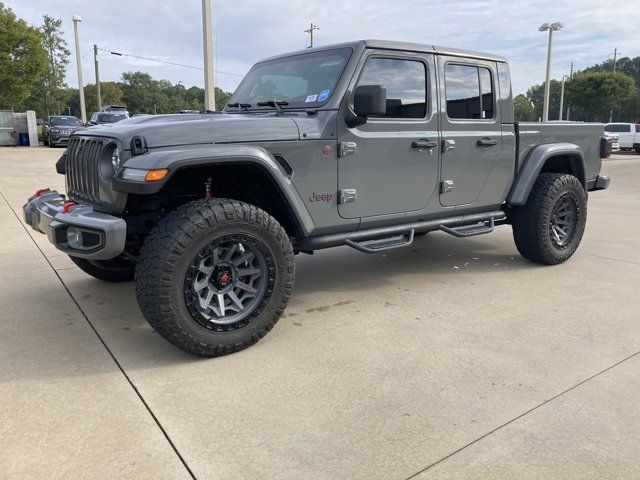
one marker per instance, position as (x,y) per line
(113,312)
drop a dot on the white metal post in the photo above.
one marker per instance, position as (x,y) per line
(83,111)
(209,89)
(547,86)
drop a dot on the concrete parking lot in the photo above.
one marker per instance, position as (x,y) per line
(449,359)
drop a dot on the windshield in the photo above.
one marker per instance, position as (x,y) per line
(111,118)
(64,121)
(305,80)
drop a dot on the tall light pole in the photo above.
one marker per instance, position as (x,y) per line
(209,90)
(95,61)
(551,27)
(83,111)
(562,98)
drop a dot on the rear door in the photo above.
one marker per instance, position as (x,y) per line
(391,164)
(471,130)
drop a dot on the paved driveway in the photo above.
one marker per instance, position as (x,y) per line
(450,359)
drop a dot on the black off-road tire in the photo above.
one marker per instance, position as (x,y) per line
(637,149)
(532,222)
(115,271)
(166,265)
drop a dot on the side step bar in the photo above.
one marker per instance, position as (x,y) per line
(382,244)
(464,231)
(395,236)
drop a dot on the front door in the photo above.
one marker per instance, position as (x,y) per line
(390,164)
(471,130)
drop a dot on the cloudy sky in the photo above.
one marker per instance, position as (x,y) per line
(248,30)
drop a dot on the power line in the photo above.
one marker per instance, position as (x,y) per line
(120,54)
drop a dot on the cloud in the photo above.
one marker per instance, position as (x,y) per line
(248,30)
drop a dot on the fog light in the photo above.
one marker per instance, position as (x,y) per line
(74,238)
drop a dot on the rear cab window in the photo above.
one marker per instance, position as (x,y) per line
(618,128)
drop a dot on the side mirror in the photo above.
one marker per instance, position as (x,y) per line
(368,100)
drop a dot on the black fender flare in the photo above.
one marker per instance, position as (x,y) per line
(177,158)
(533,164)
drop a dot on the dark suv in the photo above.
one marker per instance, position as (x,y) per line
(100,118)
(58,128)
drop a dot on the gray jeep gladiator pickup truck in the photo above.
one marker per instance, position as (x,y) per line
(365,144)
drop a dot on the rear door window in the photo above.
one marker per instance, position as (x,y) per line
(469,92)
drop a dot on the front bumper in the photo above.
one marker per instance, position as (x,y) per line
(93,235)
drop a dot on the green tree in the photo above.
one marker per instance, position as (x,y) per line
(594,95)
(222,98)
(22,58)
(536,96)
(111,93)
(523,109)
(52,80)
(143,94)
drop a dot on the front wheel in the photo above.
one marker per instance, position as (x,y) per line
(214,276)
(549,227)
(115,271)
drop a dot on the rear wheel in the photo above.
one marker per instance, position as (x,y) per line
(214,276)
(115,271)
(637,149)
(549,227)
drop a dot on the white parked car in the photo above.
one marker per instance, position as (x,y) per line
(629,134)
(614,140)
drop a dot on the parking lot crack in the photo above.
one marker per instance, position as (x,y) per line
(104,344)
(514,419)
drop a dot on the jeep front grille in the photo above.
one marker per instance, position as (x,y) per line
(82,166)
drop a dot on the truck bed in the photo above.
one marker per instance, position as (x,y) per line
(586,135)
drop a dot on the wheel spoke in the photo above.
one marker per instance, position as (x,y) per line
(245,287)
(221,304)
(230,252)
(234,298)
(206,300)
(201,283)
(247,257)
(245,272)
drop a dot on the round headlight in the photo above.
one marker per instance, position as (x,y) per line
(115,158)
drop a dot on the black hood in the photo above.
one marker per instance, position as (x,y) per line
(193,129)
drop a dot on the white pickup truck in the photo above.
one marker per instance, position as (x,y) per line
(629,134)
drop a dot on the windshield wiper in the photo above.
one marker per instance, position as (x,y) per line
(239,106)
(272,103)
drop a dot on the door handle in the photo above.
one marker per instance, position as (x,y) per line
(423,144)
(486,142)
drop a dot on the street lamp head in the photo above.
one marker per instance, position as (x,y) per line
(77,18)
(551,26)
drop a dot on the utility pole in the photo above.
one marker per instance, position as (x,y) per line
(615,57)
(83,111)
(312,27)
(209,89)
(562,97)
(95,61)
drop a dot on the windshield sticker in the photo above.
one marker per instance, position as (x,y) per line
(311,98)
(324,94)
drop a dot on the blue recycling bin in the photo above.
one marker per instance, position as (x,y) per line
(23,139)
